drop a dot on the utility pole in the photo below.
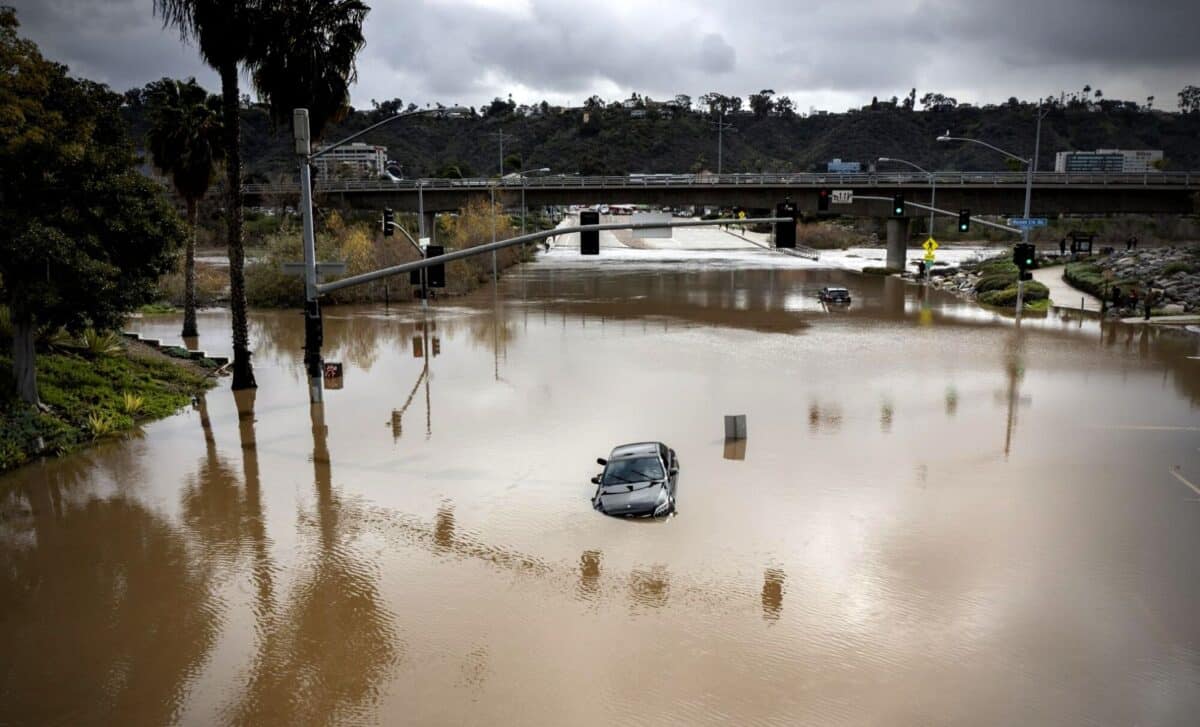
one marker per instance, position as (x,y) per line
(499,135)
(721,125)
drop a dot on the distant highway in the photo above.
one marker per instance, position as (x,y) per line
(982,192)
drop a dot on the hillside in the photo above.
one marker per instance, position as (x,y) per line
(610,141)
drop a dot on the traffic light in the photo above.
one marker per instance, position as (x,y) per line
(898,205)
(964,220)
(1024,257)
(436,346)
(785,232)
(389,219)
(435,275)
(823,200)
(589,240)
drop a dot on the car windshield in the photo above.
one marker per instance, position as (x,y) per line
(633,470)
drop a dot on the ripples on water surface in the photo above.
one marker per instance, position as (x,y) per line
(934,519)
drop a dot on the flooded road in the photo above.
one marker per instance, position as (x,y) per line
(935,519)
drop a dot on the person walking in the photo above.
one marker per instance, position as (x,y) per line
(1062,247)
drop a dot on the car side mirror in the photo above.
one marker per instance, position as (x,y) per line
(596,480)
(674,470)
(601,461)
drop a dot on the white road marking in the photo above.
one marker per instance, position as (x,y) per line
(1146,428)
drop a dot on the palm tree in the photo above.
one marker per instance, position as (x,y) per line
(185,142)
(224,31)
(307,58)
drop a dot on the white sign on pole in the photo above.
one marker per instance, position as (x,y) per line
(843,196)
(643,217)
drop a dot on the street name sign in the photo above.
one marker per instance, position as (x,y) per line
(1027,221)
(842,196)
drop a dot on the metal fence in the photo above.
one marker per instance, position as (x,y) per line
(1176,180)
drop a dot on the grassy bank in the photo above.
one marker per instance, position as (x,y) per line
(89,396)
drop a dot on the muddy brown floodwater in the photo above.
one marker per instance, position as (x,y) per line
(934,519)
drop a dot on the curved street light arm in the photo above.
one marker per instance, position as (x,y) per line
(416,112)
(1010,155)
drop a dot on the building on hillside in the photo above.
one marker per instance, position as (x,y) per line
(352,161)
(1116,161)
(837,166)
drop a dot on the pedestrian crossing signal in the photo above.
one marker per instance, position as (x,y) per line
(823,200)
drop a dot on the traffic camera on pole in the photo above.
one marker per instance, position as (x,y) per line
(964,220)
(898,205)
(389,219)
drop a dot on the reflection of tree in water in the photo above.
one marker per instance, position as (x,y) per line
(108,614)
(324,656)
(772,593)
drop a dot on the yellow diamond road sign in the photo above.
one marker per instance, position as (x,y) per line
(929,256)
(930,245)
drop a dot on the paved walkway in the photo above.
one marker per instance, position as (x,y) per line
(1063,295)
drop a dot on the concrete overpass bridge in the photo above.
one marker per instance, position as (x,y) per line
(984,193)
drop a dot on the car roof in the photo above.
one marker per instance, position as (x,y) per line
(836,290)
(637,449)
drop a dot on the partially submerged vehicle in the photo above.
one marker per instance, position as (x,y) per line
(834,296)
(639,480)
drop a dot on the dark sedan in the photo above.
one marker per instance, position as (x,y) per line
(639,480)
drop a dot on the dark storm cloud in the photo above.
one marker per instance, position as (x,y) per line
(831,55)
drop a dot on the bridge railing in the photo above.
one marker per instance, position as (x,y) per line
(636,181)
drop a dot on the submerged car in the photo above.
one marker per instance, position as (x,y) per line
(639,480)
(839,296)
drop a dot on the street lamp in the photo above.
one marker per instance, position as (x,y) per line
(523,175)
(312,309)
(1030,168)
(932,184)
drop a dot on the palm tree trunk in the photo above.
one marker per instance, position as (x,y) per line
(24,361)
(243,371)
(189,274)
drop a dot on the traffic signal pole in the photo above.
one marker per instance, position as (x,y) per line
(313,332)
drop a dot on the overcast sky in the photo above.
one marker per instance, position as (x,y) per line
(828,55)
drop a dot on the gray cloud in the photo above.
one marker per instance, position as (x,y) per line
(468,51)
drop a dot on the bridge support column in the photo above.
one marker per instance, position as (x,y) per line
(428,225)
(897,242)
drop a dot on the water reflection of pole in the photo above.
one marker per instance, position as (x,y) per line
(1015,369)
(323,475)
(425,373)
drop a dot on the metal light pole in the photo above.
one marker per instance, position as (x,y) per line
(523,175)
(313,332)
(1030,167)
(500,135)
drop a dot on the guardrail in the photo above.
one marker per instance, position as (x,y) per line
(1185,180)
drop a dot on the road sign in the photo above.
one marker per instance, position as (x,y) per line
(741,214)
(930,245)
(1027,221)
(929,256)
(843,196)
(333,375)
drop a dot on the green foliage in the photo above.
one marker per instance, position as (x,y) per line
(1179,267)
(185,133)
(89,397)
(319,78)
(132,403)
(875,270)
(1000,266)
(995,281)
(1007,297)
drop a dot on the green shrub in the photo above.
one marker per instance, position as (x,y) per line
(1034,291)
(998,267)
(875,270)
(995,281)
(1179,267)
